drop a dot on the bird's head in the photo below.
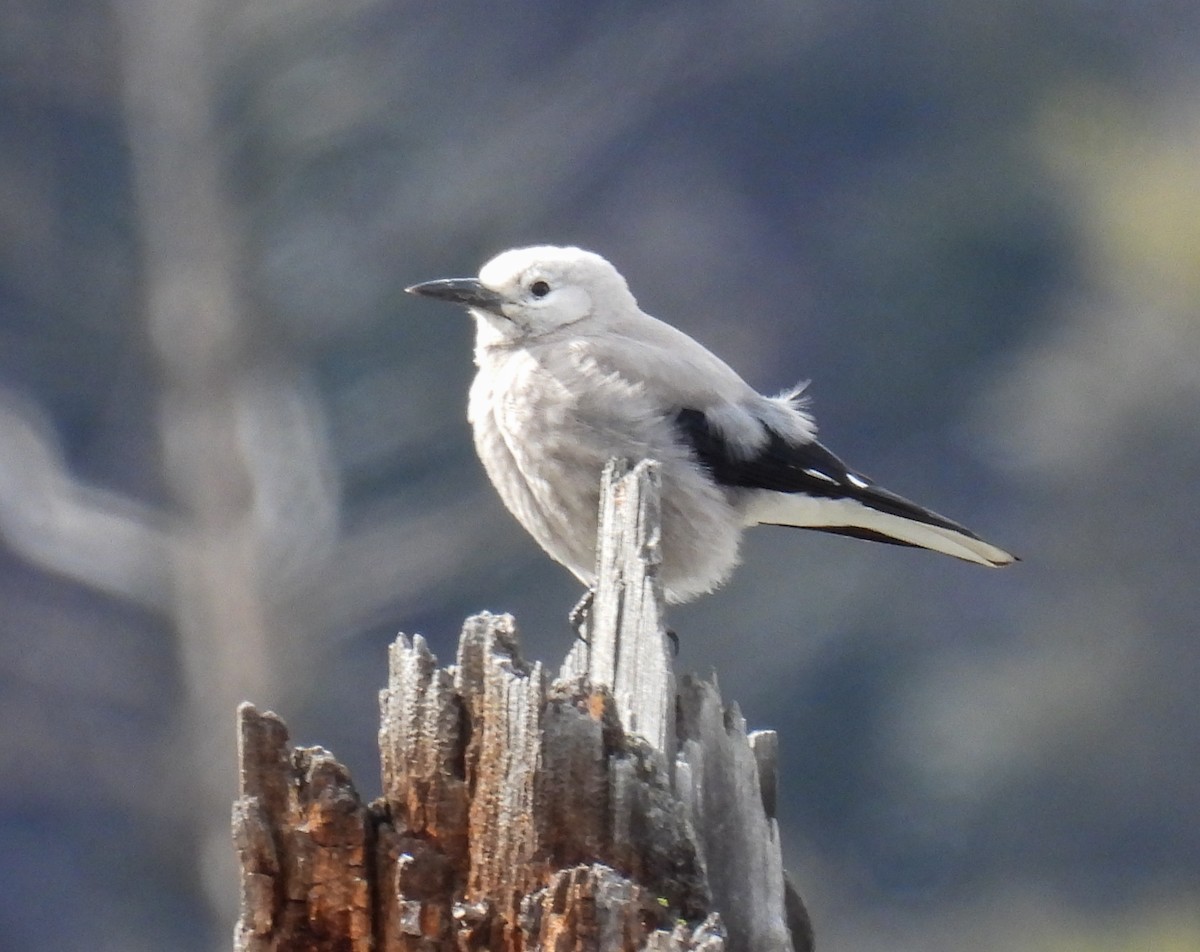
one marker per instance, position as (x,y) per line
(527,293)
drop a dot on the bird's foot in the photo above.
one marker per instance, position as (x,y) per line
(578,616)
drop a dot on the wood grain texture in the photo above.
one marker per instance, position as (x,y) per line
(520,812)
(302,837)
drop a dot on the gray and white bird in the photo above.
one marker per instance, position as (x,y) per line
(572,373)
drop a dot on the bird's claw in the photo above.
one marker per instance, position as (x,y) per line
(577,617)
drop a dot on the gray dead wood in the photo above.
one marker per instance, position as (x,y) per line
(520,812)
(626,646)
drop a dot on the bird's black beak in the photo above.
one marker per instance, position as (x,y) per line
(466,291)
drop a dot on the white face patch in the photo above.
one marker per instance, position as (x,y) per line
(817,474)
(544,289)
(504,269)
(857,481)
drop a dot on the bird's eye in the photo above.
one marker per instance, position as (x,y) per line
(539,289)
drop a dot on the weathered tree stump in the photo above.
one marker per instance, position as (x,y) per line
(602,810)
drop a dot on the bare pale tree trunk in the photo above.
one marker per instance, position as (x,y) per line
(522,812)
(196,323)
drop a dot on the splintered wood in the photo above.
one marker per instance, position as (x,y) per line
(520,813)
(302,837)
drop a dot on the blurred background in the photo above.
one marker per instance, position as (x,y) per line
(234,460)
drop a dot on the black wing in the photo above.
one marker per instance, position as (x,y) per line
(809,468)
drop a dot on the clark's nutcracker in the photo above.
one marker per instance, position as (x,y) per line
(573,373)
